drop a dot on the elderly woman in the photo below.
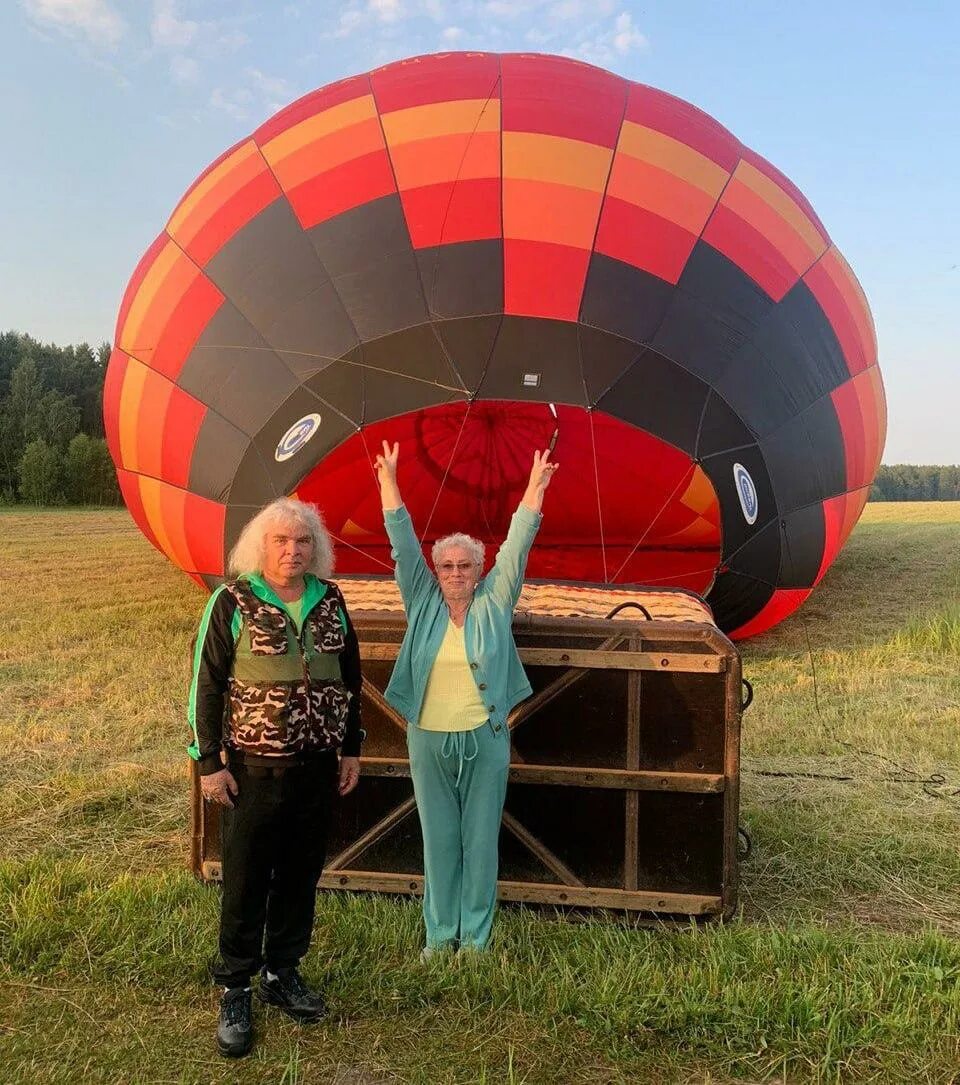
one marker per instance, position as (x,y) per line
(456,678)
(275,694)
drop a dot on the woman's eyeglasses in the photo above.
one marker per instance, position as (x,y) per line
(445,568)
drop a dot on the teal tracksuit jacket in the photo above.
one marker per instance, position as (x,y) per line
(488,632)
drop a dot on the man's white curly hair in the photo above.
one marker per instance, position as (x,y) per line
(247,555)
(473,546)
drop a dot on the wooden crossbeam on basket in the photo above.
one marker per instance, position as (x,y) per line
(668,903)
(600,776)
(559,685)
(540,850)
(381,704)
(372,835)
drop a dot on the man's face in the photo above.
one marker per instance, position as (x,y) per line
(458,574)
(287,553)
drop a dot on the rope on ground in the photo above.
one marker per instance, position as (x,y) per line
(934,784)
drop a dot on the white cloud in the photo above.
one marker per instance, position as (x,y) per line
(269,86)
(564,11)
(387,15)
(184,70)
(207,37)
(226,41)
(599,31)
(235,103)
(168,29)
(567,9)
(259,96)
(606,44)
(94,20)
(626,36)
(350,20)
(387,11)
(194,45)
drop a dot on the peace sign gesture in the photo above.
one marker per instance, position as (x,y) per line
(386,462)
(386,465)
(540,475)
(542,470)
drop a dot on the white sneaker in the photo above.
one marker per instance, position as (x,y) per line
(429,952)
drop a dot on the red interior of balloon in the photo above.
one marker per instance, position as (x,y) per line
(624,507)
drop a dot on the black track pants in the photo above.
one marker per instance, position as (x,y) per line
(274,845)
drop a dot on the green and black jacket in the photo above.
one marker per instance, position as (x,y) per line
(265,694)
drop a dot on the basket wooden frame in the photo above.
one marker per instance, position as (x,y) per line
(562,651)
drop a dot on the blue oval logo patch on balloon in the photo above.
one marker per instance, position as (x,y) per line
(747,493)
(296,437)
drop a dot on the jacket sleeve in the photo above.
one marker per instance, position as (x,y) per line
(504,582)
(352,679)
(411,571)
(212,660)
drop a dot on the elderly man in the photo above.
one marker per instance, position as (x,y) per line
(275,693)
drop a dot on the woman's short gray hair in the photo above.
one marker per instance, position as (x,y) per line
(247,554)
(473,546)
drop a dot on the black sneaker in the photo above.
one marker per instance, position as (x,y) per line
(235,1029)
(289,993)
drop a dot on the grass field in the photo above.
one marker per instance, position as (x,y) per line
(843,963)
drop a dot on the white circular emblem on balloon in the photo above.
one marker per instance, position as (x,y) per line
(747,492)
(296,437)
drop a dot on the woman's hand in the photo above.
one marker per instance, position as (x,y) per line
(218,787)
(540,475)
(386,465)
(542,470)
(386,462)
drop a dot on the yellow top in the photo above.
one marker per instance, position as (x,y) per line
(452,701)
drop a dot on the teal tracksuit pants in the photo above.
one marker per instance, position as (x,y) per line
(460,782)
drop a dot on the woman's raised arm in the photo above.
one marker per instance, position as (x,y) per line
(540,475)
(411,571)
(505,580)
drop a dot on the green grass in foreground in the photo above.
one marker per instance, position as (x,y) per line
(843,964)
(555,1001)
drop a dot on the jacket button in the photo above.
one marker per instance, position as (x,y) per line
(491,708)
(473,666)
(483,685)
(497,728)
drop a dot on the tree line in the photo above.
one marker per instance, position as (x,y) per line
(52,448)
(910,482)
(53,452)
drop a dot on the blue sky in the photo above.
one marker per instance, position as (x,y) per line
(110,108)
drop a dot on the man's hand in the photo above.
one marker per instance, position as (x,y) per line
(349,774)
(219,786)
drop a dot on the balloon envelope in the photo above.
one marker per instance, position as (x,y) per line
(480,255)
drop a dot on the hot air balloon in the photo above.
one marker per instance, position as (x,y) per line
(479,255)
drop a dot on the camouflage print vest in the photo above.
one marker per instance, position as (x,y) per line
(286,696)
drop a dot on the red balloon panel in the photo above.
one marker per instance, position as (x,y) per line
(624,507)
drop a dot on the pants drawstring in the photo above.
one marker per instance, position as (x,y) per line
(459,748)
